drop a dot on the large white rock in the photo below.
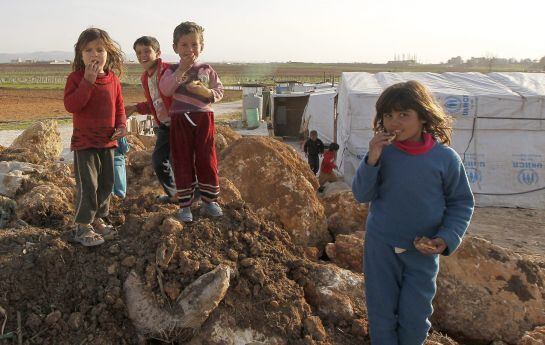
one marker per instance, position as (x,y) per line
(12,175)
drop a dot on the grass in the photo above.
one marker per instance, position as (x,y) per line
(22,125)
(32,86)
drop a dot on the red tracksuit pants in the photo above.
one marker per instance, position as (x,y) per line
(194,156)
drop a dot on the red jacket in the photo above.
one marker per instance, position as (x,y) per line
(97,110)
(328,162)
(147,107)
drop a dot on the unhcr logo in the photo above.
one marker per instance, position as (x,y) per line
(528,177)
(474,175)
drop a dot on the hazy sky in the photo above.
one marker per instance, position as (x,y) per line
(281,30)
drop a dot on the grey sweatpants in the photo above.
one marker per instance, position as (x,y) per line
(94,170)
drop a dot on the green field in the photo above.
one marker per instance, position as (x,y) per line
(54,76)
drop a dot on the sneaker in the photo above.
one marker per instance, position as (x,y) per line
(213,209)
(86,236)
(185,215)
(104,229)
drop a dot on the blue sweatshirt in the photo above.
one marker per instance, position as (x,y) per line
(416,195)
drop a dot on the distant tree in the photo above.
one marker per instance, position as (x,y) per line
(542,63)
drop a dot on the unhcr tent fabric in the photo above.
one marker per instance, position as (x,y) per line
(499,128)
(318,114)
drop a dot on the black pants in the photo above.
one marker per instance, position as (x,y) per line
(161,160)
(314,162)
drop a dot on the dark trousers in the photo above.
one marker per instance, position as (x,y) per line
(161,160)
(194,156)
(94,170)
(314,162)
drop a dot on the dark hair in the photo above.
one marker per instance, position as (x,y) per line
(147,41)
(115,57)
(414,95)
(333,147)
(313,132)
(186,28)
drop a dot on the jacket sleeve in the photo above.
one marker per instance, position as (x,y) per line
(215,86)
(365,182)
(77,94)
(143,108)
(120,117)
(459,206)
(168,83)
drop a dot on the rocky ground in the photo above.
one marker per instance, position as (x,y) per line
(281,267)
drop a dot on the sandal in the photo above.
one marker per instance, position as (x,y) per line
(86,236)
(104,229)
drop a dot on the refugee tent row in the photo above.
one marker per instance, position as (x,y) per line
(499,128)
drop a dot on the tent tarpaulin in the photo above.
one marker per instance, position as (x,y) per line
(318,114)
(499,128)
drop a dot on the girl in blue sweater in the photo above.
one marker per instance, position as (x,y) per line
(420,207)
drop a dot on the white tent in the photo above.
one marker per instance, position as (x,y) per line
(318,114)
(499,128)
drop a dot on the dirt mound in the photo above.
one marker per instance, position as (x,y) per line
(42,138)
(271,175)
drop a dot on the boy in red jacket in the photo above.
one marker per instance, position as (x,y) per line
(148,53)
(328,164)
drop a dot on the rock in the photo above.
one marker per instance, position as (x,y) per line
(286,192)
(193,307)
(220,142)
(47,204)
(173,289)
(12,175)
(8,209)
(224,330)
(228,134)
(344,214)
(360,327)
(535,337)
(33,322)
(488,293)
(346,252)
(165,252)
(228,191)
(335,293)
(313,327)
(52,317)
(129,261)
(75,321)
(42,138)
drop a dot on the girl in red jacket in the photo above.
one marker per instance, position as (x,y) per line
(93,95)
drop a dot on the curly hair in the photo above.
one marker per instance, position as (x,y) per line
(115,59)
(414,95)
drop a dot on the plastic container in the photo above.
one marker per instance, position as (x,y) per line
(252,118)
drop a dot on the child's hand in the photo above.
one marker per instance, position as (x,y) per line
(91,72)
(185,64)
(130,109)
(197,88)
(429,246)
(119,133)
(377,144)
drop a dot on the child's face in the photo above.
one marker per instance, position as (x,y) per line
(95,51)
(313,137)
(147,56)
(405,124)
(188,46)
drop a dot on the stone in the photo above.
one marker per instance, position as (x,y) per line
(42,138)
(534,337)
(346,252)
(334,293)
(313,326)
(487,293)
(287,187)
(12,175)
(344,214)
